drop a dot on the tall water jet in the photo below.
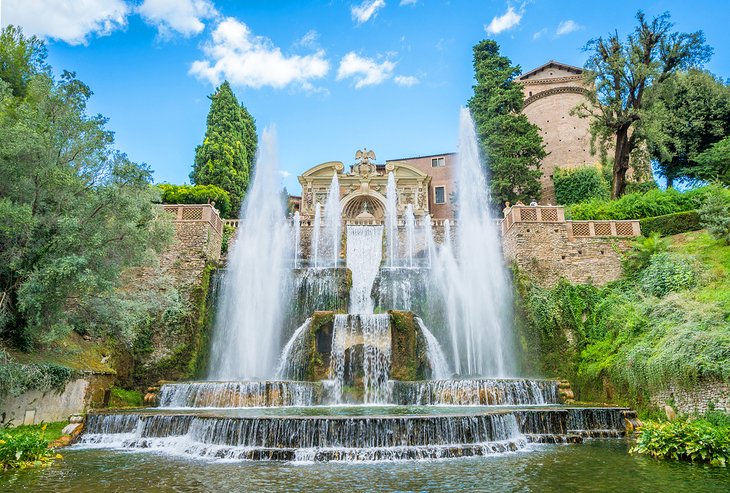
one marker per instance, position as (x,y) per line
(247,337)
(332,222)
(391,220)
(316,233)
(410,220)
(436,357)
(297,226)
(472,276)
(428,239)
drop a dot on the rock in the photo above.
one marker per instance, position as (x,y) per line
(670,412)
(87,337)
(150,398)
(76,418)
(69,429)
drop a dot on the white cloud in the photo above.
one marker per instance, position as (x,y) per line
(366,71)
(566,27)
(69,21)
(284,173)
(309,40)
(504,22)
(183,16)
(406,80)
(236,54)
(408,2)
(539,34)
(369,8)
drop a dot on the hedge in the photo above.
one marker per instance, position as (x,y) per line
(640,205)
(671,224)
(196,194)
(580,184)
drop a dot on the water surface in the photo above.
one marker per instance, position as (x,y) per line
(595,466)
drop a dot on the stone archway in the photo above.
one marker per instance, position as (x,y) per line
(353,205)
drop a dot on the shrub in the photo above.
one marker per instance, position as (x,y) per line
(196,194)
(715,214)
(228,233)
(694,440)
(25,446)
(580,184)
(643,249)
(667,273)
(671,224)
(17,378)
(640,205)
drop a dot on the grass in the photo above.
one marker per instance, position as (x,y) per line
(125,398)
(714,257)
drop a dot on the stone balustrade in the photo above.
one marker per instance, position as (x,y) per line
(195,212)
(575,229)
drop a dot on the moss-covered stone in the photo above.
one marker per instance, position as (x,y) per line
(320,345)
(409,360)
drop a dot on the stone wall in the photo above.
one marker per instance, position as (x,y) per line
(696,399)
(549,250)
(34,407)
(198,236)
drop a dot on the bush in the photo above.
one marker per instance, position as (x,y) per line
(671,224)
(196,194)
(25,446)
(580,184)
(715,214)
(642,251)
(640,205)
(694,440)
(17,378)
(667,273)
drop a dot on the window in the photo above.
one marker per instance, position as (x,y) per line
(438,162)
(440,195)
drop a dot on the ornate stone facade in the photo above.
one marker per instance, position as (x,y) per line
(551,92)
(362,188)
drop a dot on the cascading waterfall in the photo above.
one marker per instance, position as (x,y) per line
(471,275)
(465,299)
(294,352)
(391,220)
(247,336)
(436,358)
(364,253)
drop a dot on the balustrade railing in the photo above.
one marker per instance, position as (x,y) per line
(575,229)
(195,213)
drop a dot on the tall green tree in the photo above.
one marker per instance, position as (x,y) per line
(690,112)
(21,58)
(74,213)
(621,73)
(510,144)
(714,163)
(226,156)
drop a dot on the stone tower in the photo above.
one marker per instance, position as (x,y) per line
(551,91)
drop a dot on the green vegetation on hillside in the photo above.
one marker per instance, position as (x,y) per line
(667,322)
(580,184)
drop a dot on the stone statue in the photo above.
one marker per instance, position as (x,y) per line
(364,156)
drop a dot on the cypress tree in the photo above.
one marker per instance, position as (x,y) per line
(226,156)
(510,144)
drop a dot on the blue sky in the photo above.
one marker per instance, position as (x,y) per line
(332,76)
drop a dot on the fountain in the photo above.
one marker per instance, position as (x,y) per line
(397,355)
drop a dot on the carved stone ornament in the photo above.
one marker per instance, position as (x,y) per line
(363,166)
